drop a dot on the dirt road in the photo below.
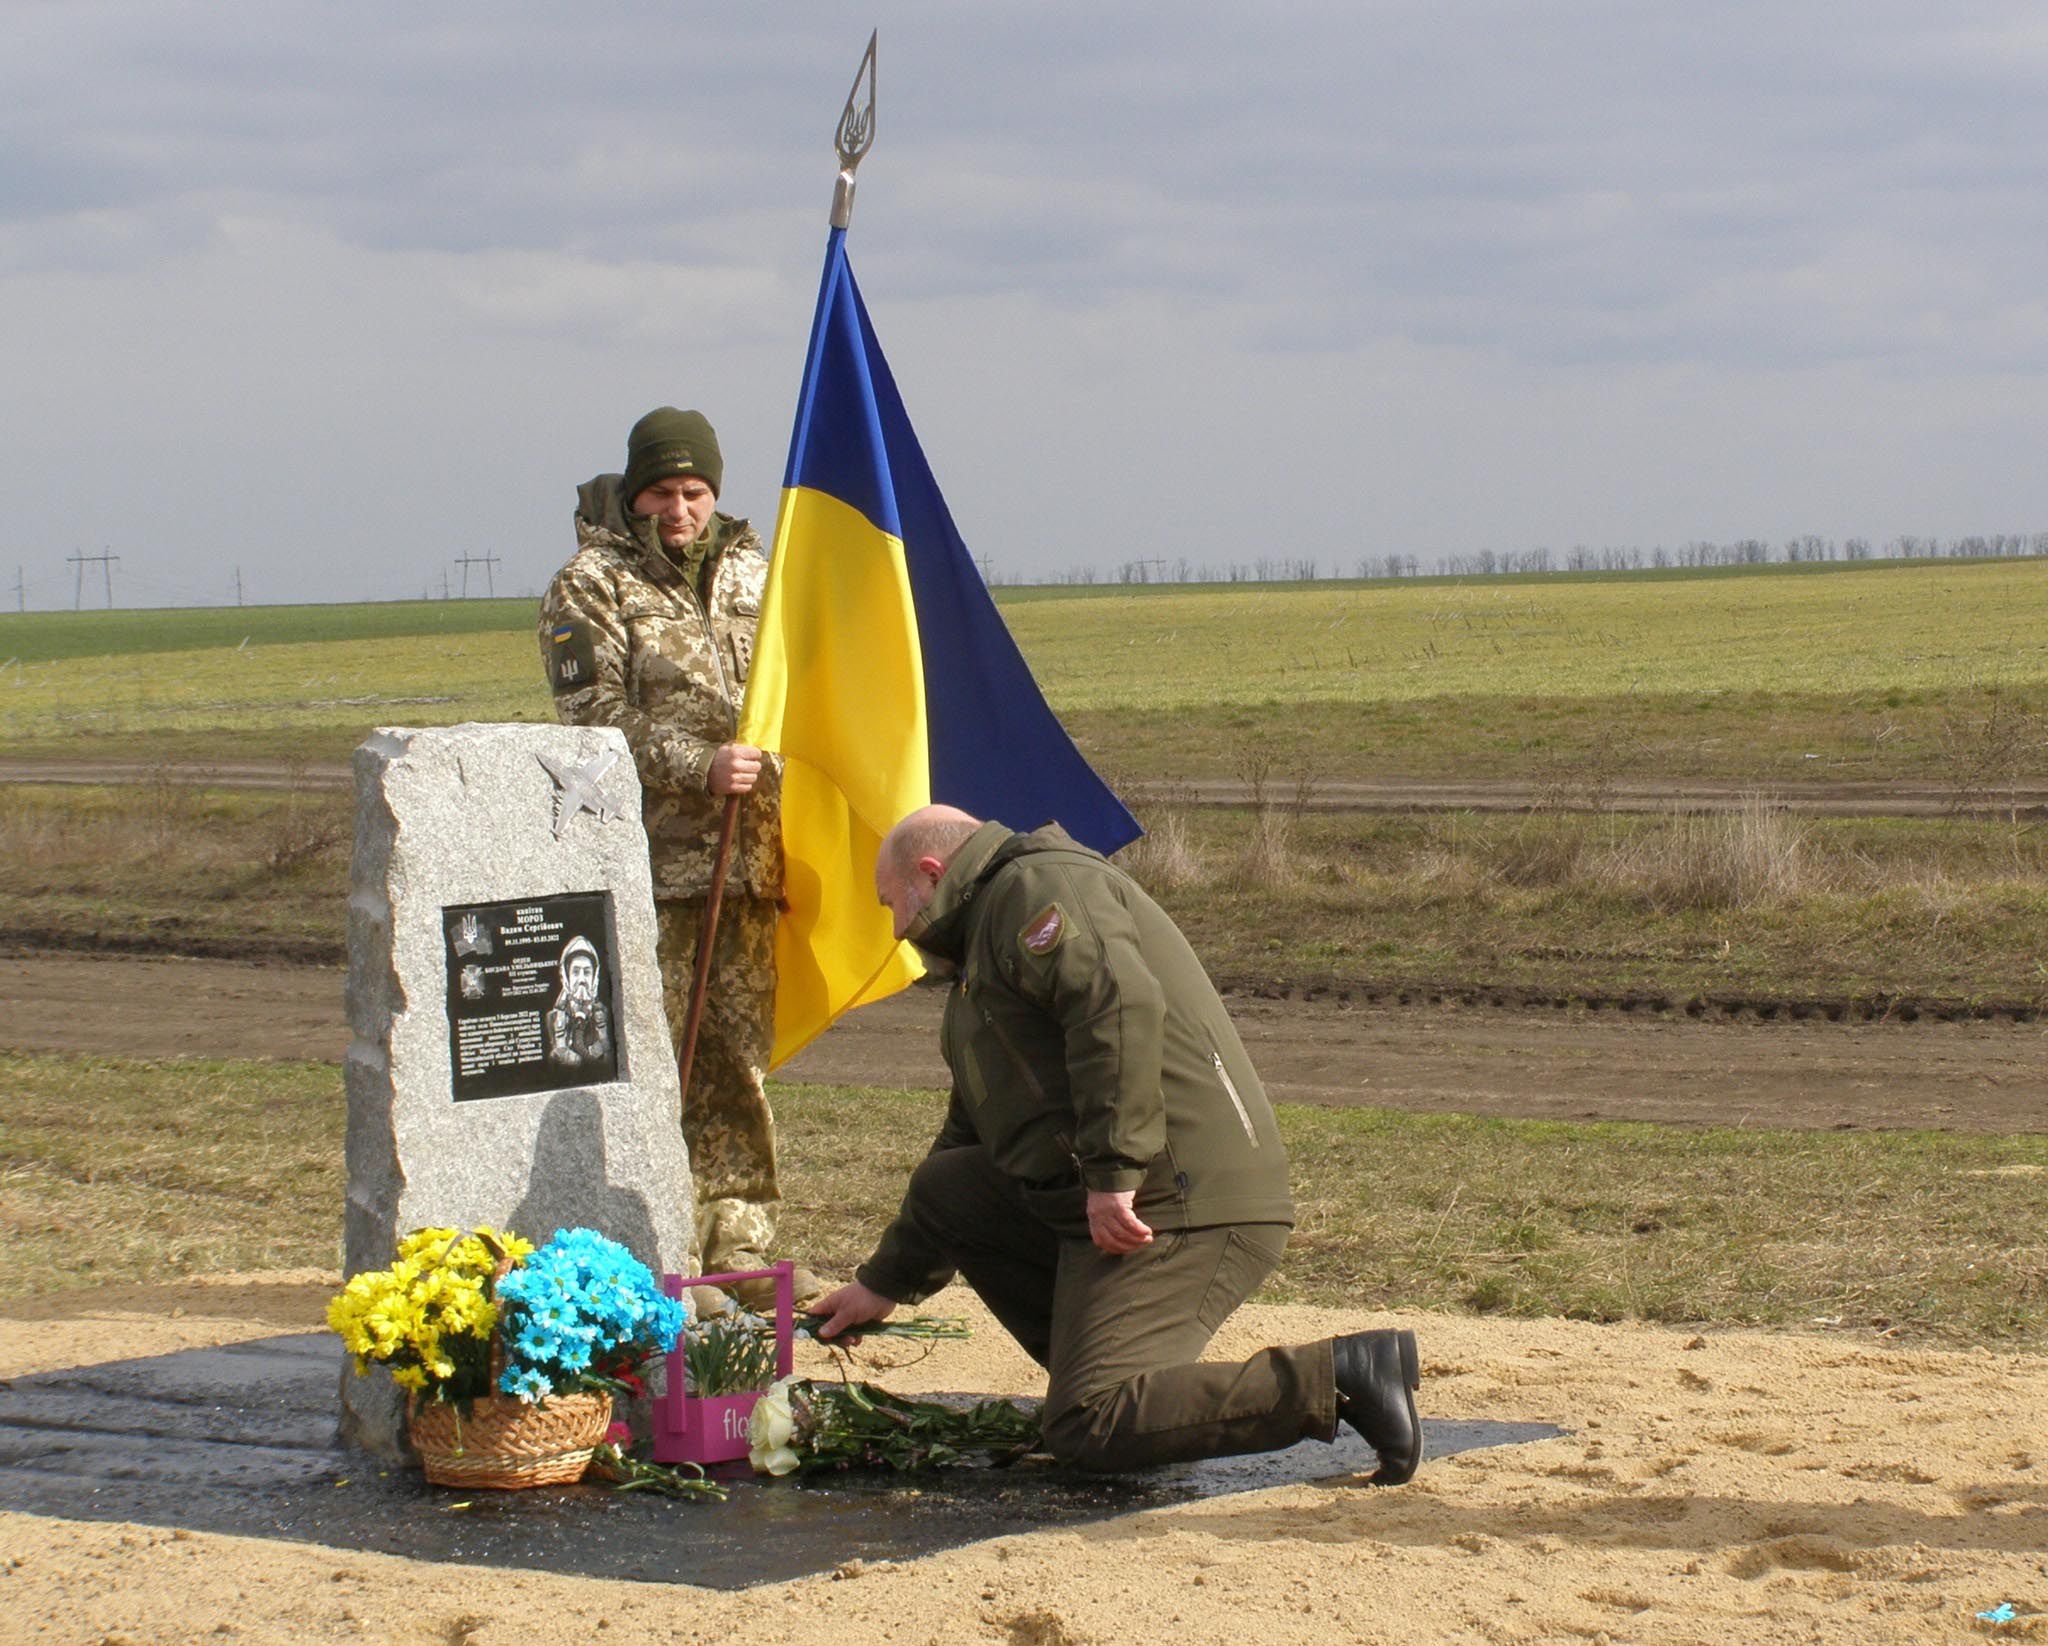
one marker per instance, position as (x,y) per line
(1819,797)
(1562,1065)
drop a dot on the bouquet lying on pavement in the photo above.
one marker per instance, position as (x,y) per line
(806,1425)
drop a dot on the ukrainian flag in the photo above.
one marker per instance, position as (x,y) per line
(884,677)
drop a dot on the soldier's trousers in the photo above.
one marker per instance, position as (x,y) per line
(1118,1336)
(726,1124)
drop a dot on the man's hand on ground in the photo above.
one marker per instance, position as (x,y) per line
(1112,1225)
(735,769)
(850,1308)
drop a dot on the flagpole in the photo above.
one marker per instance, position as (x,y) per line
(705,934)
(854,137)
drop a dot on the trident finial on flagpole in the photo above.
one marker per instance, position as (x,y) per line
(855,137)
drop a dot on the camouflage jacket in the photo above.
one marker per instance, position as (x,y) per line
(627,641)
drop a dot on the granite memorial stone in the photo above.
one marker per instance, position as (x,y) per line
(510,1063)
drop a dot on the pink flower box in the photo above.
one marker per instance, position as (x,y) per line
(713,1429)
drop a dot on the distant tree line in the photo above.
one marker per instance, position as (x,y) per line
(1264,569)
(1746,551)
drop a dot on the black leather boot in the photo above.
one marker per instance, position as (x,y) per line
(1377,1375)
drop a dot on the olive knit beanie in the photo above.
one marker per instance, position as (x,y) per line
(669,442)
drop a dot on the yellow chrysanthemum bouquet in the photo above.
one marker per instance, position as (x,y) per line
(430,1316)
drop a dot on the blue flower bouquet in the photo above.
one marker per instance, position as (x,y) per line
(582,1313)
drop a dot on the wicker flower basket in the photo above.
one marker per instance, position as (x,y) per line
(506,1443)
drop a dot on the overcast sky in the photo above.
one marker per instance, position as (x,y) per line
(338,293)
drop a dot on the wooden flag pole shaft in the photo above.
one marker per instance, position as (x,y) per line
(706,933)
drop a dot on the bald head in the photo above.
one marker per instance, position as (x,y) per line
(914,855)
(930,831)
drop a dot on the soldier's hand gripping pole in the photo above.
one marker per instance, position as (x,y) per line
(701,975)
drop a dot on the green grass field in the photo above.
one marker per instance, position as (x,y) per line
(43,637)
(1905,630)
(1877,671)
(40,637)
(318,699)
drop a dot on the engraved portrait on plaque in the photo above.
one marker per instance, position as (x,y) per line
(531,995)
(579,1026)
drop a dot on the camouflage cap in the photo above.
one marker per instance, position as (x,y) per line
(669,442)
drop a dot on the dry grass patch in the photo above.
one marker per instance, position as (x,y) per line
(1166,854)
(129,1169)
(173,858)
(1758,902)
(120,1169)
(1757,856)
(1920,1234)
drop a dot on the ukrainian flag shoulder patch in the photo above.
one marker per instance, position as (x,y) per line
(571,656)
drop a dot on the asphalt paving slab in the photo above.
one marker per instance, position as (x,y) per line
(241,1440)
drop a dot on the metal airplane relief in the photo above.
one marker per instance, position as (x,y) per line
(576,789)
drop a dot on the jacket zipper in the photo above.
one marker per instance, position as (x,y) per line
(1066,1147)
(711,641)
(1236,1102)
(1065,1143)
(1002,1039)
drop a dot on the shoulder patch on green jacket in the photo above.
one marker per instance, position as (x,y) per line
(1045,930)
(572,656)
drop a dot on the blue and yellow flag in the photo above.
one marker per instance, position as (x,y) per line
(884,677)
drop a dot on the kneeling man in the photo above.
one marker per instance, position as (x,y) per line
(1109,1177)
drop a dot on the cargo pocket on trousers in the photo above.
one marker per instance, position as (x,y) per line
(1248,1256)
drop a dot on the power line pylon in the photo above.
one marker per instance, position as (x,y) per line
(487,561)
(105,562)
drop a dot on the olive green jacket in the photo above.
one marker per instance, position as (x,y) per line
(1089,1050)
(629,641)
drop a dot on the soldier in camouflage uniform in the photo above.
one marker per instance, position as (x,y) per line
(650,628)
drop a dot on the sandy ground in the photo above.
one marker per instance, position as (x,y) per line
(1540,1064)
(1725,1489)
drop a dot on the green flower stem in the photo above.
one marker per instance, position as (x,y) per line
(632,1474)
(729,1355)
(931,1328)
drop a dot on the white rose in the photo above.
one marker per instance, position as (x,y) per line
(780,1461)
(770,1431)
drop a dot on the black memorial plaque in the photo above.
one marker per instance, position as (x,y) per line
(532,995)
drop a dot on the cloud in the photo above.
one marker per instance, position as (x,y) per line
(1513,272)
(629,304)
